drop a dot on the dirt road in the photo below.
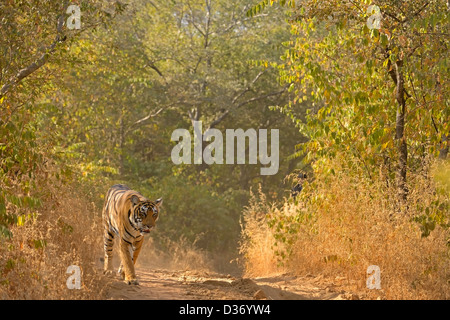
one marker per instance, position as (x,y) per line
(188,285)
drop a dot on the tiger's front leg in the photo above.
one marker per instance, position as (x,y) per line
(108,248)
(137,249)
(127,266)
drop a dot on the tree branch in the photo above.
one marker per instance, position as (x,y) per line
(192,20)
(254,99)
(391,15)
(272,94)
(25,72)
(417,12)
(150,115)
(248,87)
(141,121)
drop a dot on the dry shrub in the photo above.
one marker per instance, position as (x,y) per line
(257,242)
(176,255)
(341,225)
(65,231)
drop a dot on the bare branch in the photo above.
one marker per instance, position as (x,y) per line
(391,15)
(192,20)
(254,99)
(248,87)
(219,119)
(417,12)
(151,115)
(141,121)
(272,94)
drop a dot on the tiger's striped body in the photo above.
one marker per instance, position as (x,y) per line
(129,216)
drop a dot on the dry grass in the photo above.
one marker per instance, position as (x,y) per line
(177,255)
(257,243)
(67,231)
(342,225)
(64,232)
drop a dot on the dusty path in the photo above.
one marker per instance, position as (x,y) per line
(188,285)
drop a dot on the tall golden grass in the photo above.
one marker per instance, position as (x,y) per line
(176,255)
(342,224)
(257,239)
(64,232)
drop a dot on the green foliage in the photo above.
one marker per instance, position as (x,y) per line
(105,102)
(436,213)
(30,37)
(5,232)
(347,73)
(258,8)
(103,106)
(20,157)
(157,67)
(197,213)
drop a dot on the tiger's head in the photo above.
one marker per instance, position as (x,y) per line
(145,213)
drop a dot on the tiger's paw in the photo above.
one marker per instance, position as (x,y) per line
(132,282)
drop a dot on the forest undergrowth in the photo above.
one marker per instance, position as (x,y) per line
(340,225)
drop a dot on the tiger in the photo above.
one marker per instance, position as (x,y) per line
(128,215)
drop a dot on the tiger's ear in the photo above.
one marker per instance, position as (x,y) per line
(159,202)
(134,200)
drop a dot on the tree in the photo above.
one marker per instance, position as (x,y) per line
(379,95)
(172,63)
(33,40)
(158,67)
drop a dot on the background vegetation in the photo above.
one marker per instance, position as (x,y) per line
(377,123)
(364,112)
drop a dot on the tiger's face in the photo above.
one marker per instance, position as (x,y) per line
(145,214)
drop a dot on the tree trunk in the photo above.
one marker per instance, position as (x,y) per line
(121,145)
(444,151)
(400,132)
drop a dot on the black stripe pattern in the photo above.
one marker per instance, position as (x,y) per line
(127,215)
